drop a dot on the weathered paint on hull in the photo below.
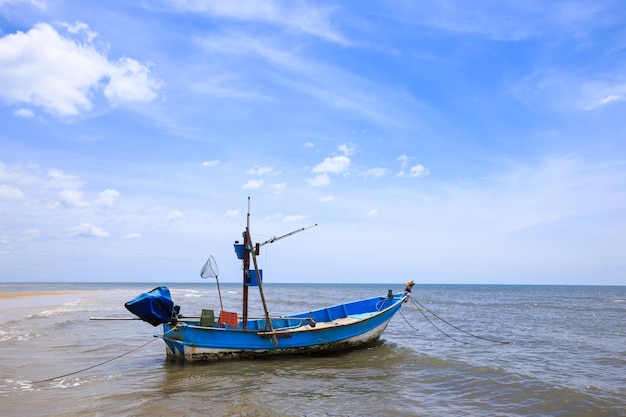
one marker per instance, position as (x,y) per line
(177,350)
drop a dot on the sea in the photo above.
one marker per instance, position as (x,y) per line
(453,350)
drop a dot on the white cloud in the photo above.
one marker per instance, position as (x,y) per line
(41,5)
(599,95)
(252,184)
(347,149)
(611,98)
(232,213)
(58,179)
(327,198)
(375,173)
(275,216)
(329,85)
(319,180)
(298,16)
(418,171)
(571,89)
(88,230)
(5,247)
(25,113)
(79,28)
(415,171)
(260,170)
(73,198)
(294,218)
(174,215)
(508,20)
(107,197)
(210,164)
(8,192)
(278,188)
(404,161)
(332,165)
(30,234)
(227,85)
(61,74)
(130,81)
(132,236)
(373,212)
(11,173)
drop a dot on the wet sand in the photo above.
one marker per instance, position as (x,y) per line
(24,294)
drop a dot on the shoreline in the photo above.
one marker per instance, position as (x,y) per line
(25,294)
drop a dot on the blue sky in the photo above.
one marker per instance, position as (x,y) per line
(441,141)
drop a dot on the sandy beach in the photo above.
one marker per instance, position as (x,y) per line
(24,294)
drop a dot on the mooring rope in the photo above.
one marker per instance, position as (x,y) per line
(108,360)
(96,365)
(407,322)
(435,326)
(419,306)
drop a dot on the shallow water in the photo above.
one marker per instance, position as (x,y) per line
(566,356)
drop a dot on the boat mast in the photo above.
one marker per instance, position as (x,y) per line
(246,268)
(249,245)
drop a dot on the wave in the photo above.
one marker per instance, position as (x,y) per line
(69,307)
(19,385)
(17,335)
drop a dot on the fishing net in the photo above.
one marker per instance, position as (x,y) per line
(209,270)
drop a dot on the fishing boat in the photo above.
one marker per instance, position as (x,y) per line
(212,337)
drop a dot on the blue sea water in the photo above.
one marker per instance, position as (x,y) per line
(565,355)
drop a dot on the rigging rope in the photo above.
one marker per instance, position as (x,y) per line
(419,306)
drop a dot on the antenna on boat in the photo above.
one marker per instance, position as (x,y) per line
(210,270)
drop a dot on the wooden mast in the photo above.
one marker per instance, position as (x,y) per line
(246,267)
(250,249)
(249,246)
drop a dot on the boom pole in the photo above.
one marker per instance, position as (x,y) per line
(274,239)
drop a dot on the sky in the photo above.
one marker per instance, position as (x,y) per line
(453,142)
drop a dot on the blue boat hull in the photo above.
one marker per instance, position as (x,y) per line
(341,327)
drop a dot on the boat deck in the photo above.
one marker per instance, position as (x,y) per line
(321,325)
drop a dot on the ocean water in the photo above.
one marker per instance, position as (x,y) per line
(565,355)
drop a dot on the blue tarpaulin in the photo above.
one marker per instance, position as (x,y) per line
(155,307)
